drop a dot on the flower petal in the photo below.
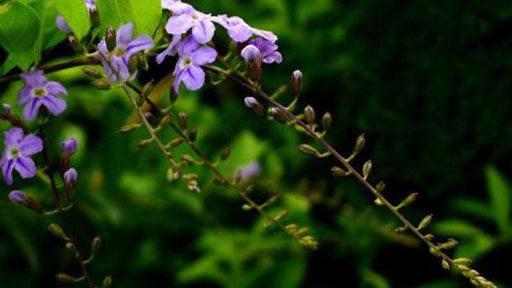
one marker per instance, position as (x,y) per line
(276,57)
(204,55)
(24,95)
(240,32)
(25,166)
(193,77)
(55,88)
(188,46)
(178,25)
(62,25)
(31,144)
(30,111)
(120,67)
(124,34)
(203,31)
(34,78)
(54,104)
(140,43)
(266,34)
(7,171)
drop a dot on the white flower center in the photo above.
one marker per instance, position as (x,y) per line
(187,61)
(39,92)
(13,152)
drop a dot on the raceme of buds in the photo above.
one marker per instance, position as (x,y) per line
(297,83)
(256,106)
(254,61)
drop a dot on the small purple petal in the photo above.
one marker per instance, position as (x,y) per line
(203,31)
(31,144)
(251,170)
(54,104)
(13,136)
(203,56)
(30,111)
(7,171)
(193,77)
(124,34)
(138,44)
(25,166)
(178,25)
(34,78)
(55,88)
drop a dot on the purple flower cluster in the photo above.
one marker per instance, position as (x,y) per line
(115,62)
(191,30)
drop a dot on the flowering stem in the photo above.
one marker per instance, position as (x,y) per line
(435,250)
(211,166)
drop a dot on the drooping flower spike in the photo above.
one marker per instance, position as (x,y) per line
(189,66)
(16,155)
(125,48)
(37,92)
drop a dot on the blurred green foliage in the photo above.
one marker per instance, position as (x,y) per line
(428,81)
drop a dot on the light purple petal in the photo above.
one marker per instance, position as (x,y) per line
(140,43)
(25,166)
(55,88)
(266,34)
(203,31)
(120,67)
(180,8)
(193,77)
(203,56)
(240,33)
(54,104)
(274,57)
(24,95)
(178,25)
(188,46)
(124,34)
(13,136)
(30,111)
(7,171)
(30,145)
(34,78)
(172,50)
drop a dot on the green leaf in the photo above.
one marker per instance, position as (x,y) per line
(499,191)
(19,33)
(145,14)
(76,15)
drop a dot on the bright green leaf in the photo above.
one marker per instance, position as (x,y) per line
(499,192)
(19,33)
(76,15)
(145,14)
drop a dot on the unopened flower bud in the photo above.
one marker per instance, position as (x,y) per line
(309,114)
(18,197)
(95,17)
(110,39)
(253,59)
(95,245)
(101,85)
(93,72)
(307,149)
(279,115)
(326,121)
(367,168)
(256,106)
(70,177)
(107,282)
(183,120)
(75,44)
(133,63)
(65,278)
(57,231)
(297,83)
(380,186)
(407,201)
(69,146)
(358,147)
(192,134)
(425,222)
(337,171)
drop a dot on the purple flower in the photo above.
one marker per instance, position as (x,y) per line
(17,197)
(125,47)
(268,50)
(253,169)
(69,146)
(17,151)
(39,91)
(70,176)
(240,31)
(188,68)
(185,17)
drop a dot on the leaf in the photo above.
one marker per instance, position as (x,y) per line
(76,15)
(145,14)
(499,191)
(19,33)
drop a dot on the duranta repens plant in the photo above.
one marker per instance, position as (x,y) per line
(114,42)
